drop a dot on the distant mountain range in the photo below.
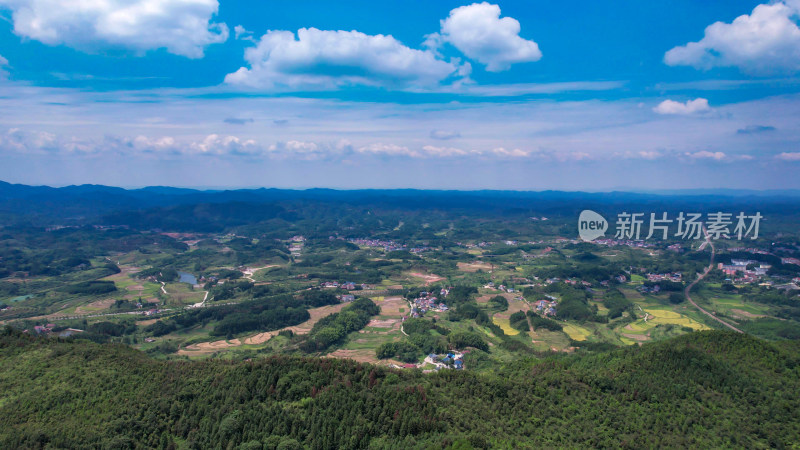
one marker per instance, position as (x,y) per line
(88,203)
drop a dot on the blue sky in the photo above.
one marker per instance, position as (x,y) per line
(458,95)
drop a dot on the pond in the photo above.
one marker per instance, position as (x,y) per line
(187,278)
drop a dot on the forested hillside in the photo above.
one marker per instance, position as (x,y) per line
(702,390)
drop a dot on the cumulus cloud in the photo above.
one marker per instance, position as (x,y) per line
(696,106)
(215,144)
(789,156)
(240,32)
(387,149)
(479,33)
(444,134)
(427,151)
(295,147)
(38,142)
(718,156)
(765,42)
(514,153)
(323,59)
(432,150)
(20,141)
(182,27)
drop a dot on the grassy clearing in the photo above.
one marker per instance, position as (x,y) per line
(577,332)
(505,325)
(545,340)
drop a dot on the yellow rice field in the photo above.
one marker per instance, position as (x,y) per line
(660,316)
(576,332)
(505,325)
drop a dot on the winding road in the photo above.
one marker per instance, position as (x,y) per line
(699,278)
(249,273)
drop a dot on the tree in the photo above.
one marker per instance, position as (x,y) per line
(675,298)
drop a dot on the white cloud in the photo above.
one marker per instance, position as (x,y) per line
(718,156)
(649,154)
(514,153)
(240,32)
(20,141)
(428,151)
(432,150)
(478,32)
(387,149)
(789,156)
(322,59)
(183,27)
(765,42)
(3,64)
(215,144)
(696,106)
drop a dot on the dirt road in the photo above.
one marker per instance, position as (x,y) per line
(699,278)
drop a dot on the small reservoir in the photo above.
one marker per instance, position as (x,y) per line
(187,278)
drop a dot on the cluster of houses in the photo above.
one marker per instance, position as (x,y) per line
(425,302)
(476,245)
(739,272)
(546,307)
(655,289)
(347,285)
(501,287)
(623,242)
(388,246)
(794,261)
(755,251)
(44,329)
(546,251)
(577,282)
(451,360)
(209,279)
(675,277)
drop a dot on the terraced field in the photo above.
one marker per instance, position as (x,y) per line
(662,316)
